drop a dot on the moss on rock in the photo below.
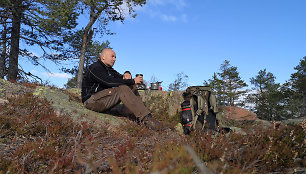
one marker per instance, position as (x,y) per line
(8,89)
(63,104)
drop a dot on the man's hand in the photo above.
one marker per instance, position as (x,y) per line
(138,80)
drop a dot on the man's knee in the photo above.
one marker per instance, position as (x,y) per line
(124,88)
(94,106)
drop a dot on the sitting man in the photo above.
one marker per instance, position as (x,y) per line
(103,88)
(127,75)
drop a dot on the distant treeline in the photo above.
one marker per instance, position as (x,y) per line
(268,99)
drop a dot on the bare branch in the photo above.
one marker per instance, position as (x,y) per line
(198,162)
(30,74)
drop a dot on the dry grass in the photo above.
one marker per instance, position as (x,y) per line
(34,139)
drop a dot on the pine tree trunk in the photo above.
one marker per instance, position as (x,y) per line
(82,60)
(303,113)
(3,54)
(14,51)
(93,17)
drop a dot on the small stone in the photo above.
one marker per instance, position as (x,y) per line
(3,101)
(179,128)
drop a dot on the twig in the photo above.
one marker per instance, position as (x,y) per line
(198,162)
(24,158)
(76,142)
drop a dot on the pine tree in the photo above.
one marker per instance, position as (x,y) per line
(215,84)
(92,54)
(294,92)
(35,23)
(267,97)
(4,42)
(227,85)
(231,83)
(102,11)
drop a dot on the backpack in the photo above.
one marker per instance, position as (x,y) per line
(198,109)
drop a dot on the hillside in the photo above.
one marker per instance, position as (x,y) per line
(47,130)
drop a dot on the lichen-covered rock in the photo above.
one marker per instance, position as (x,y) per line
(294,121)
(163,102)
(62,103)
(8,89)
(238,130)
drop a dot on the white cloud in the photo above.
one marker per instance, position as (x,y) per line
(169,18)
(160,9)
(58,75)
(35,54)
(179,4)
(33,71)
(184,18)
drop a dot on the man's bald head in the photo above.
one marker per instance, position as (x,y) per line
(108,57)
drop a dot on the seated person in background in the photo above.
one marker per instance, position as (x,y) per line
(103,88)
(127,75)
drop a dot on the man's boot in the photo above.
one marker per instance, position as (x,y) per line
(152,124)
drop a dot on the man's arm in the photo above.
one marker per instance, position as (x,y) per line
(102,76)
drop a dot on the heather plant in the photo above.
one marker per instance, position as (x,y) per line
(171,158)
(34,138)
(274,149)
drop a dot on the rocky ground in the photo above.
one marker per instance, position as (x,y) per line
(47,130)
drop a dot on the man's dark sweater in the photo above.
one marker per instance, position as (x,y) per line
(98,76)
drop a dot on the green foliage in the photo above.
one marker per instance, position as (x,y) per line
(278,102)
(103,12)
(227,85)
(36,23)
(267,99)
(298,78)
(232,83)
(216,85)
(93,50)
(5,3)
(72,82)
(92,54)
(294,92)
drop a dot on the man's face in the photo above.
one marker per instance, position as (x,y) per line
(127,76)
(109,58)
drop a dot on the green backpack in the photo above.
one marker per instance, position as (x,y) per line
(199,108)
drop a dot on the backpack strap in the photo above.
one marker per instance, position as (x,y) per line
(213,103)
(202,105)
(193,111)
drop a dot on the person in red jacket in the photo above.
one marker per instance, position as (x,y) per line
(103,88)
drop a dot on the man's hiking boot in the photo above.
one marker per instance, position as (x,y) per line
(152,124)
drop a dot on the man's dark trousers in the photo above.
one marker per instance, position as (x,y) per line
(108,98)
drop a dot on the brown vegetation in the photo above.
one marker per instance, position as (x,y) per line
(36,139)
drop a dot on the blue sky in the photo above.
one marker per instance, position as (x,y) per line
(196,36)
